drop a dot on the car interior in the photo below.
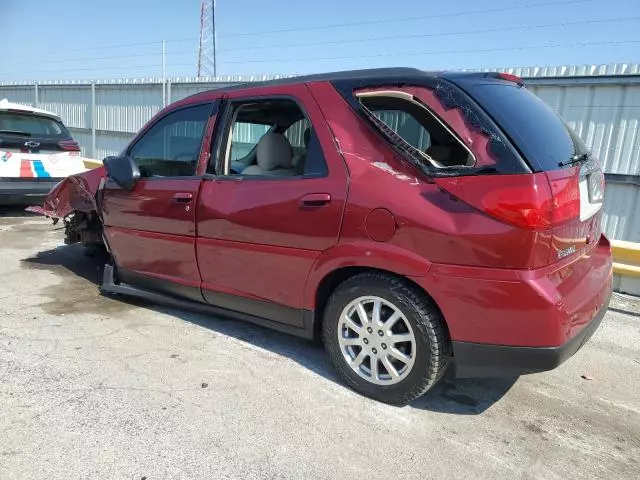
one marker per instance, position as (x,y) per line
(421,130)
(277,134)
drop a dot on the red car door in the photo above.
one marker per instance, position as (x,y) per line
(151,230)
(259,232)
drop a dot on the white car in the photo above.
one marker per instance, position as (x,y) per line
(36,152)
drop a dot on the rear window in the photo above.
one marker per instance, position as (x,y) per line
(540,134)
(31,125)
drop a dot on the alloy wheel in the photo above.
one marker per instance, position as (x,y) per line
(376,340)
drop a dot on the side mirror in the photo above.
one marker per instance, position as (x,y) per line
(123,170)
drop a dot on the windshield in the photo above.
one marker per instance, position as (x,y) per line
(546,141)
(31,125)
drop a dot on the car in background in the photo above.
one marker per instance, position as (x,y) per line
(36,152)
(418,223)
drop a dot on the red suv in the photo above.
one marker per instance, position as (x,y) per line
(416,222)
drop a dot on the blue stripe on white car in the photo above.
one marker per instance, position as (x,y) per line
(39,170)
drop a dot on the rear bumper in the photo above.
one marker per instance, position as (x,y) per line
(510,322)
(19,191)
(483,360)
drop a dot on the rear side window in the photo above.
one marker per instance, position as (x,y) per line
(407,126)
(546,141)
(31,125)
(415,129)
(298,133)
(276,138)
(246,136)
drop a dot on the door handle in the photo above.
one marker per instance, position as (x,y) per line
(183,197)
(315,200)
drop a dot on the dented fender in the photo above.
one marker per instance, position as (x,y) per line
(74,193)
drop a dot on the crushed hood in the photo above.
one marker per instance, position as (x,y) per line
(76,192)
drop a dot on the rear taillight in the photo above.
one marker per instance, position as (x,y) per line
(69,145)
(529,201)
(565,189)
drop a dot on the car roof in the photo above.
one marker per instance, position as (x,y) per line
(7,105)
(367,73)
(394,74)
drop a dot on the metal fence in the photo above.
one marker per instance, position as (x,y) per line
(601,102)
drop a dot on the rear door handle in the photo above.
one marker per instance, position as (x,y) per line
(315,200)
(183,197)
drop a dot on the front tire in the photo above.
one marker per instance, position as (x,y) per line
(386,338)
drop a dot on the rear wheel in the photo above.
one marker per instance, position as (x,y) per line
(385,338)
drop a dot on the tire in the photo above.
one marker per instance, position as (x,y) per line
(429,351)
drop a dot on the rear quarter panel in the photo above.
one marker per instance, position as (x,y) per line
(431,222)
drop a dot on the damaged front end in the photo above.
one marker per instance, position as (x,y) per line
(75,201)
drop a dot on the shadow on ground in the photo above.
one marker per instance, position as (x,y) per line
(464,396)
(82,274)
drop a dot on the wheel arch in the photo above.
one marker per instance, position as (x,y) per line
(333,269)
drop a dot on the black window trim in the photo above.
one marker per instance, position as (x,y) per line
(221,135)
(215,109)
(346,88)
(403,96)
(531,163)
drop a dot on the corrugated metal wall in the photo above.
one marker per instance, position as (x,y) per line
(19,94)
(621,206)
(605,116)
(601,102)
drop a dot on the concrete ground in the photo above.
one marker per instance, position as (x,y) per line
(103,388)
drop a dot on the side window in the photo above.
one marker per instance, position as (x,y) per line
(245,138)
(272,138)
(406,126)
(295,133)
(412,127)
(171,147)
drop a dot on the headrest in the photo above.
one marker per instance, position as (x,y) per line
(274,150)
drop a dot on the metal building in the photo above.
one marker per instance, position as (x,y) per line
(601,102)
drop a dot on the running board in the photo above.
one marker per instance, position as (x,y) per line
(109,286)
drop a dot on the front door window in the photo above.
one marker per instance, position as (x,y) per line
(171,147)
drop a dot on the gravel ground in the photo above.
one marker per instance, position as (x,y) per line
(96,387)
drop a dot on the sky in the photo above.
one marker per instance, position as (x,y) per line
(89,39)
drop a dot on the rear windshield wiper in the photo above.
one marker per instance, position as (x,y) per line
(16,132)
(574,159)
